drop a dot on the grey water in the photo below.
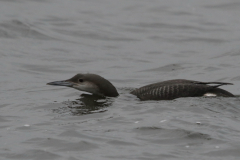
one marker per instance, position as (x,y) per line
(131,43)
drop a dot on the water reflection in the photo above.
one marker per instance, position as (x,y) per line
(86,104)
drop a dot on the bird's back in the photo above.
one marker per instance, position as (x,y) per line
(172,89)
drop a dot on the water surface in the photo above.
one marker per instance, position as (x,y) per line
(131,43)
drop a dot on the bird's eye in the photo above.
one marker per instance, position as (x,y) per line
(80,80)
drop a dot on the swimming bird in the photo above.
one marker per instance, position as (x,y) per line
(166,90)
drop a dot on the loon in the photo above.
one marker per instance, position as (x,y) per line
(166,90)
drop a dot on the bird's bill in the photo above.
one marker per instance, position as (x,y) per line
(61,83)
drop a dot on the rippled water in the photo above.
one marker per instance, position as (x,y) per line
(131,43)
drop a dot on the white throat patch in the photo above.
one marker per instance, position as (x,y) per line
(87,87)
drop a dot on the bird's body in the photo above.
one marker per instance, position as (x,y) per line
(172,89)
(166,90)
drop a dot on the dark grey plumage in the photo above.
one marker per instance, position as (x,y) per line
(166,90)
(91,83)
(105,87)
(172,89)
